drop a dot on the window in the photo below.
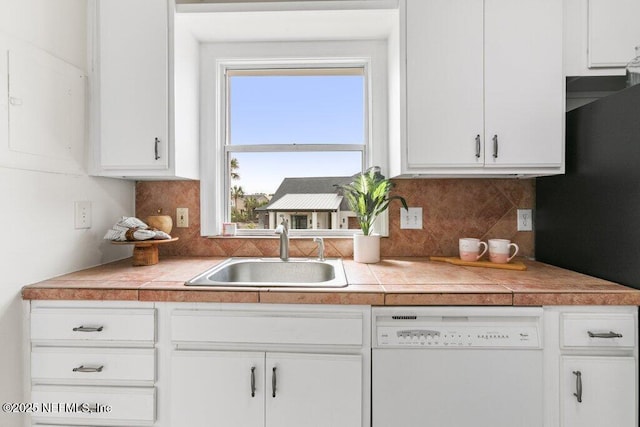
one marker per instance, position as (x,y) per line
(286,132)
(292,135)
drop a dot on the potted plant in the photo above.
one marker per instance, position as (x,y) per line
(368,197)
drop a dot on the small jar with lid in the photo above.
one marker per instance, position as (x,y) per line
(633,70)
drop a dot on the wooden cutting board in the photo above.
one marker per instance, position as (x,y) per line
(514,265)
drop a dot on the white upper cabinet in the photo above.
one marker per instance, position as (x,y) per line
(134,84)
(484,88)
(600,36)
(134,128)
(445,83)
(524,86)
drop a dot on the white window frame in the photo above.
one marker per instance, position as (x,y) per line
(216,58)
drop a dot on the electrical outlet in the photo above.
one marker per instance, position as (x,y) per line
(182,217)
(525,220)
(411,218)
(82,214)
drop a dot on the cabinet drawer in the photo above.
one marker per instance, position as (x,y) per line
(109,324)
(272,328)
(116,405)
(615,330)
(93,365)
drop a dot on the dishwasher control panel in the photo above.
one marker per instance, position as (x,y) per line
(452,336)
(457,327)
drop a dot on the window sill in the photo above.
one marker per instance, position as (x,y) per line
(293,234)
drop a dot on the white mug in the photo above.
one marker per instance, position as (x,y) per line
(499,250)
(470,249)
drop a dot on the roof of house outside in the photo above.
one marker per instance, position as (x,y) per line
(308,186)
(306,202)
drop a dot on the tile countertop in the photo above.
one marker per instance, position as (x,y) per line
(393,281)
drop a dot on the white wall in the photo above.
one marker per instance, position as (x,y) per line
(39,240)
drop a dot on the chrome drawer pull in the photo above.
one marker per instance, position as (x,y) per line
(83,368)
(253,381)
(609,334)
(273,382)
(578,393)
(495,146)
(88,329)
(477,146)
(156,144)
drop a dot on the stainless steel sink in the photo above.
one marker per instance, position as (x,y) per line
(273,272)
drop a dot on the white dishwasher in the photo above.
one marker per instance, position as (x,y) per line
(457,367)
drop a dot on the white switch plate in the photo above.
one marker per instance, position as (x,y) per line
(182,217)
(525,220)
(411,218)
(82,214)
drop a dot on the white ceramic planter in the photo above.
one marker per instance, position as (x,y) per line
(366,249)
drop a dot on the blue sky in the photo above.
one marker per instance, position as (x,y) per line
(295,109)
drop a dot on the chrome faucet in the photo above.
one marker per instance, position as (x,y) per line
(283,231)
(320,243)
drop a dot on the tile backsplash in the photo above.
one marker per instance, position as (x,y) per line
(451,208)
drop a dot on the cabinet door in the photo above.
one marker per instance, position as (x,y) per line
(320,390)
(524,83)
(613,32)
(444,83)
(609,394)
(214,388)
(133,63)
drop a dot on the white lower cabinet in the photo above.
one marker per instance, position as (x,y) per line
(282,365)
(591,366)
(107,364)
(131,406)
(211,388)
(269,366)
(265,389)
(92,363)
(598,391)
(325,388)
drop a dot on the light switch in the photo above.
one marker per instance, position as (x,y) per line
(182,217)
(82,214)
(411,218)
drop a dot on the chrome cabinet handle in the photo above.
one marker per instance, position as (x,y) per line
(83,368)
(253,381)
(157,143)
(578,393)
(273,382)
(477,146)
(88,329)
(609,334)
(495,146)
